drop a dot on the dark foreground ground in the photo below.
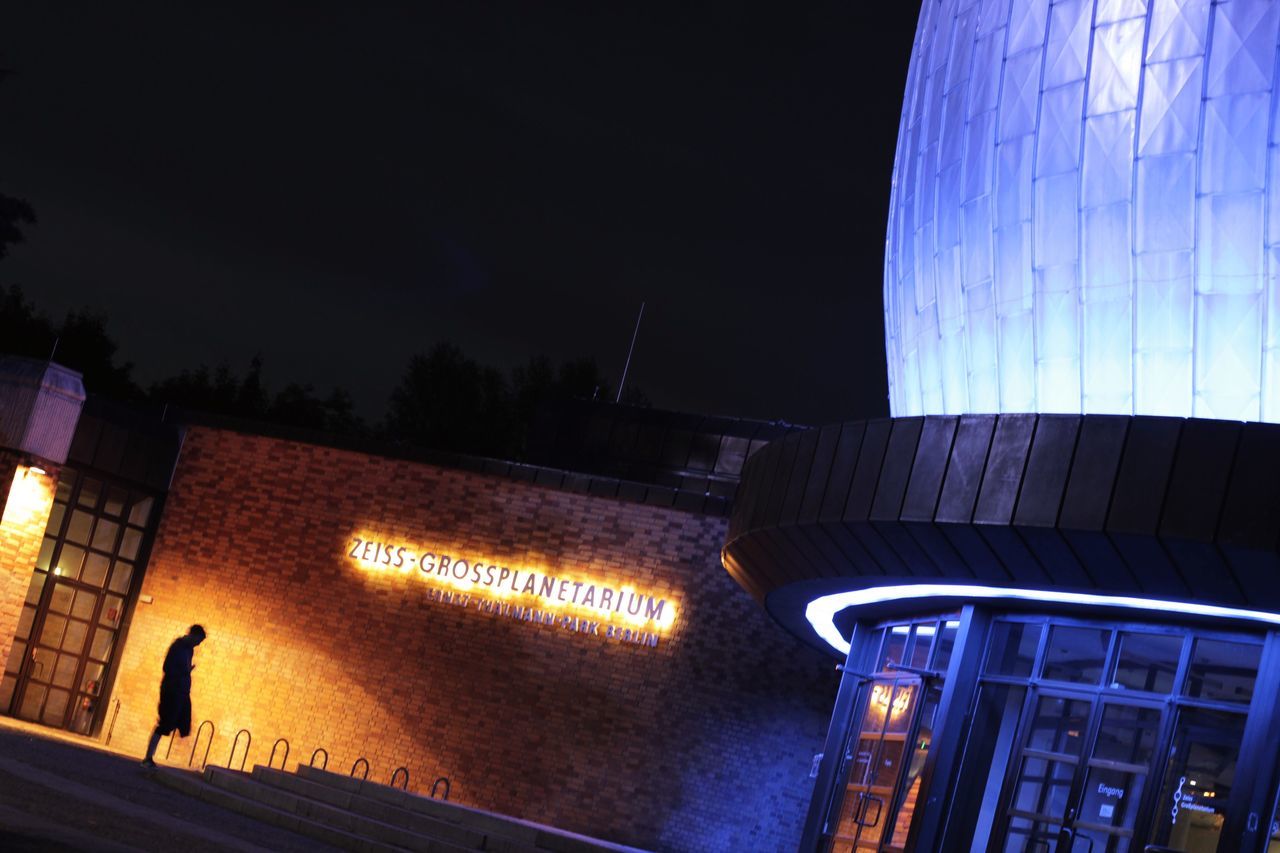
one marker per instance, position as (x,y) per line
(60,793)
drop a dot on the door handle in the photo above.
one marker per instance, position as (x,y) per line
(860,811)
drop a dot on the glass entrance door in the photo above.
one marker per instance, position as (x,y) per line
(75,605)
(1079,781)
(878,747)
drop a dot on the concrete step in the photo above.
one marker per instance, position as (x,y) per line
(385,812)
(194,785)
(321,813)
(496,827)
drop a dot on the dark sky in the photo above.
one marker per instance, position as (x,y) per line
(339,186)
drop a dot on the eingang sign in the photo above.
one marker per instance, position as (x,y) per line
(584,606)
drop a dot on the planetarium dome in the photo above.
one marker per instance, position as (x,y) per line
(1085,215)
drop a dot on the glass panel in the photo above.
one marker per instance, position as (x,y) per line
(1076,654)
(54,526)
(91,681)
(895,643)
(104,535)
(64,674)
(130,542)
(16,653)
(73,639)
(1197,787)
(1222,670)
(946,644)
(32,701)
(60,599)
(990,745)
(89,491)
(1147,662)
(44,558)
(140,512)
(25,618)
(120,577)
(83,607)
(95,569)
(65,481)
(37,587)
(900,706)
(1028,836)
(101,648)
(733,452)
(1117,776)
(112,611)
(6,692)
(1059,725)
(1043,787)
(900,823)
(82,716)
(42,662)
(1013,648)
(114,504)
(69,560)
(55,707)
(79,526)
(51,633)
(923,645)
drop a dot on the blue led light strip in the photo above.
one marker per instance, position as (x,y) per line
(821,612)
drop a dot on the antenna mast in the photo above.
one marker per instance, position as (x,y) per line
(630,350)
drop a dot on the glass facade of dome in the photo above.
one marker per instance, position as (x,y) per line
(1085,215)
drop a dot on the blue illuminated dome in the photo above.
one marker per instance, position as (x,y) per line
(1084,214)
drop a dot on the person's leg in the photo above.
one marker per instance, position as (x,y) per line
(156,734)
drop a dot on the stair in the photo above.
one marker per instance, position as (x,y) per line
(354,814)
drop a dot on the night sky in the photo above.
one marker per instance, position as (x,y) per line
(338,187)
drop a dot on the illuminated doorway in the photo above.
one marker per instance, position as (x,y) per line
(69,628)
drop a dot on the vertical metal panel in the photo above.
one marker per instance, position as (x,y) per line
(1251,505)
(867,472)
(800,472)
(899,455)
(1005,465)
(848,448)
(782,478)
(929,468)
(1048,465)
(819,472)
(1099,449)
(1141,483)
(965,468)
(1198,483)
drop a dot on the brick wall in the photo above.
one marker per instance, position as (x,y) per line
(25,501)
(702,743)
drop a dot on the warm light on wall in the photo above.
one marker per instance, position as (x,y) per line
(30,497)
(547,591)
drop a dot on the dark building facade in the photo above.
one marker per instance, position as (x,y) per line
(1059,631)
(563,646)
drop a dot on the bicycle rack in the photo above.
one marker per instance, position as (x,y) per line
(360,761)
(399,770)
(115,712)
(436,784)
(312,762)
(236,742)
(196,743)
(272,759)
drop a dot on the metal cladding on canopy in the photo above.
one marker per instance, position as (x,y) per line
(1085,215)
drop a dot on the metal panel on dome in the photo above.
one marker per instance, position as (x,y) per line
(1083,213)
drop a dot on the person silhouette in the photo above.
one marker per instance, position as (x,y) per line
(175,691)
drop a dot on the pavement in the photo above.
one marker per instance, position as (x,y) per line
(60,792)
